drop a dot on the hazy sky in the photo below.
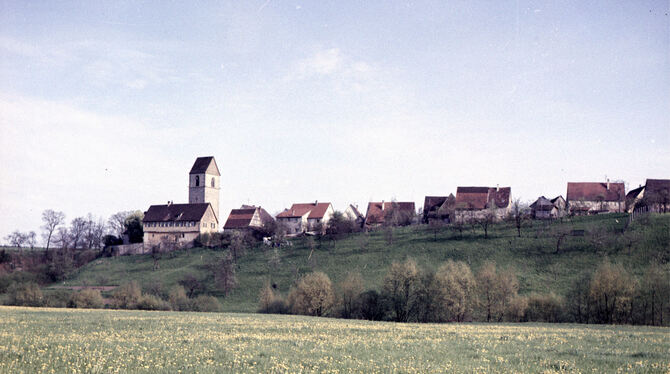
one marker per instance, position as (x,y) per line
(104,106)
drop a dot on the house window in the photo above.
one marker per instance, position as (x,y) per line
(212,224)
(197,180)
(212,182)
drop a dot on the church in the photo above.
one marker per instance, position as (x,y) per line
(171,225)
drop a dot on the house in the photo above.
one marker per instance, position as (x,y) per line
(178,225)
(438,208)
(593,197)
(474,202)
(352,214)
(653,196)
(544,208)
(305,217)
(391,213)
(248,217)
(172,226)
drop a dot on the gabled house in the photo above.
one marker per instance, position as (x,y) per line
(543,208)
(593,198)
(438,208)
(248,217)
(177,225)
(353,214)
(390,213)
(475,202)
(305,217)
(653,196)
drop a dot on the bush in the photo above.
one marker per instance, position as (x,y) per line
(204,303)
(152,302)
(57,298)
(86,298)
(516,309)
(611,292)
(454,289)
(127,296)
(372,306)
(178,299)
(270,302)
(350,291)
(401,285)
(313,295)
(545,307)
(25,294)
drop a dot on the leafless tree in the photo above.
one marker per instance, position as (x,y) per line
(224,274)
(31,239)
(16,239)
(117,222)
(518,215)
(560,232)
(77,231)
(52,220)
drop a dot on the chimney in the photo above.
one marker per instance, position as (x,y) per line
(608,184)
(316,202)
(169,203)
(382,205)
(497,187)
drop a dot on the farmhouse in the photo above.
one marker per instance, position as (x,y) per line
(653,196)
(178,225)
(438,208)
(474,202)
(248,217)
(593,198)
(305,217)
(544,208)
(390,213)
(352,214)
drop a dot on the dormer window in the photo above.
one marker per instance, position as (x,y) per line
(197,180)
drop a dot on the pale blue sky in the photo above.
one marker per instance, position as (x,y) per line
(105,105)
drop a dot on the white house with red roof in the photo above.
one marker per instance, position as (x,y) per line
(593,197)
(305,217)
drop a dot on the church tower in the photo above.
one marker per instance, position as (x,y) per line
(204,183)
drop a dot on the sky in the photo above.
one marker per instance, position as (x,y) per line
(104,106)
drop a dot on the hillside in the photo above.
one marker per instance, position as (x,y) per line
(533,256)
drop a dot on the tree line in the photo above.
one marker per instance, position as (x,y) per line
(453,293)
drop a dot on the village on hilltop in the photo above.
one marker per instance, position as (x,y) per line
(179,225)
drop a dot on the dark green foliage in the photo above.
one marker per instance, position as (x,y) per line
(25,294)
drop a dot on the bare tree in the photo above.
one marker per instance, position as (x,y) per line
(518,214)
(560,232)
(16,239)
(52,220)
(224,274)
(31,239)
(77,231)
(117,222)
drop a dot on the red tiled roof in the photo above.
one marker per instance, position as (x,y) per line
(431,203)
(202,165)
(478,198)
(315,210)
(175,212)
(239,218)
(375,212)
(655,186)
(595,191)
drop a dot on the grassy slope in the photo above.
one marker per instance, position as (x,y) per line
(106,341)
(532,256)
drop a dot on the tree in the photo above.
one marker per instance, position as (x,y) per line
(488,218)
(454,291)
(52,220)
(350,290)
(610,291)
(339,225)
(16,239)
(560,232)
(313,295)
(496,290)
(133,226)
(518,215)
(77,231)
(655,292)
(191,284)
(400,286)
(224,274)
(31,239)
(117,222)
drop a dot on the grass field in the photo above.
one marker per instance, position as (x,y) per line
(532,256)
(96,341)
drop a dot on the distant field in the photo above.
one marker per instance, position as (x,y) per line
(96,341)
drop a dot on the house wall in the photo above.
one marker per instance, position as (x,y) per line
(180,235)
(295,225)
(579,206)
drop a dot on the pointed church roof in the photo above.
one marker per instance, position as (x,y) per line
(205,165)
